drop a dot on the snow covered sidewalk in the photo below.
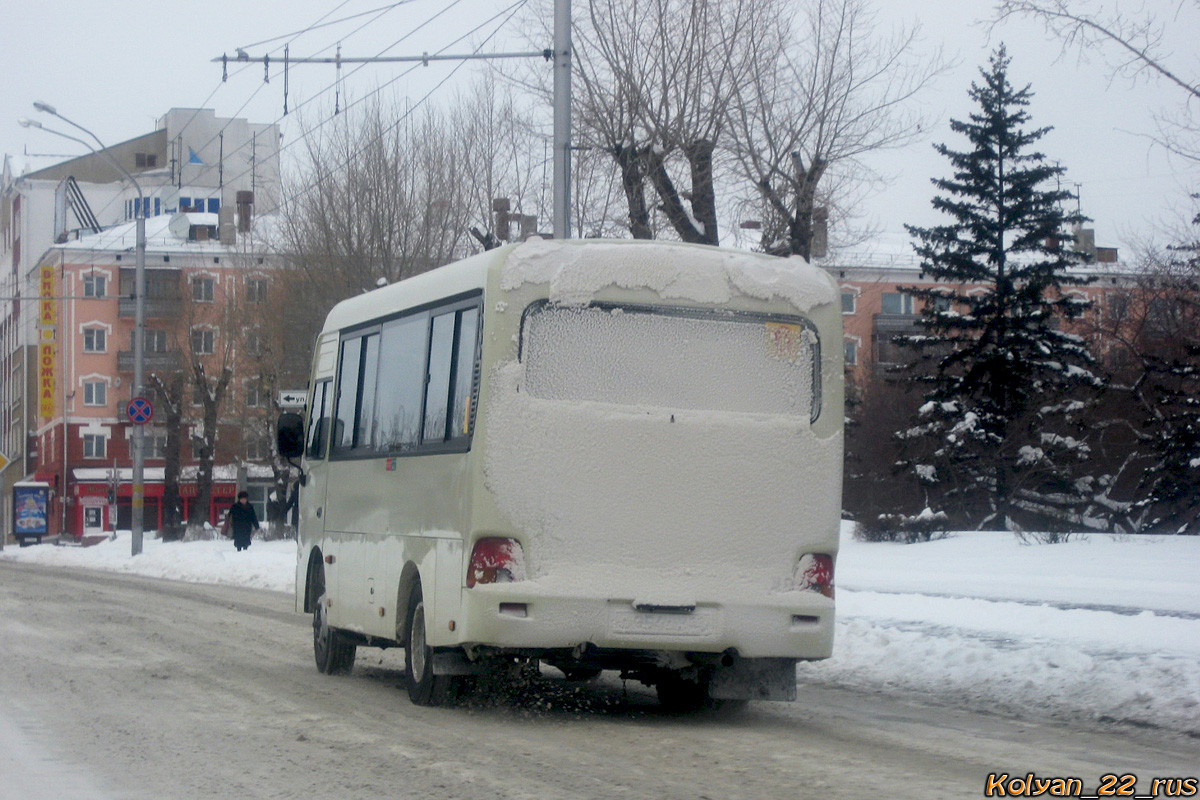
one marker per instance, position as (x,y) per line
(1101,627)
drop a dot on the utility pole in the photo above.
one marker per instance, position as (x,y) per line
(562,119)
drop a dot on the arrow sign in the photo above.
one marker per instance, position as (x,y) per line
(140,411)
(293,398)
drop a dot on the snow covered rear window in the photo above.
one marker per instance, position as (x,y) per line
(673,358)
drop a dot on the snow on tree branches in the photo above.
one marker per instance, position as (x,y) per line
(999,442)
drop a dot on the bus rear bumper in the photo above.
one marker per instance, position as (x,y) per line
(794,625)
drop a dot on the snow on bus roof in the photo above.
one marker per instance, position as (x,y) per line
(577,269)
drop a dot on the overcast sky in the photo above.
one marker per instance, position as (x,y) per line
(116,67)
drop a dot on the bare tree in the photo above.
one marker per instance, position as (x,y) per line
(169,390)
(206,340)
(819,100)
(1135,46)
(654,82)
(503,156)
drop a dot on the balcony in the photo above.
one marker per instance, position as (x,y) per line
(156,307)
(896,324)
(163,293)
(153,362)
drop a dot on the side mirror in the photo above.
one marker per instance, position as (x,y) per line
(289,435)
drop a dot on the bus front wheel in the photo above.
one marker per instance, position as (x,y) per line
(333,654)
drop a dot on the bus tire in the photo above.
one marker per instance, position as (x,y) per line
(424,688)
(683,695)
(333,654)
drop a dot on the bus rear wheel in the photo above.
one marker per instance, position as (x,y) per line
(680,694)
(424,687)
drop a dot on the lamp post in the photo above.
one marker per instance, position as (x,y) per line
(139,294)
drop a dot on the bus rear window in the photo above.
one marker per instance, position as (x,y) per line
(672,359)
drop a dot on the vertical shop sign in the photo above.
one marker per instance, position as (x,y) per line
(47,325)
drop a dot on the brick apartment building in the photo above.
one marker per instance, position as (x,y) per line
(204,298)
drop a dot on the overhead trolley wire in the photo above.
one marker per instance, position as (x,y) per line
(334,85)
(510,11)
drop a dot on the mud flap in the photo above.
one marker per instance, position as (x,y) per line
(755,679)
(455,662)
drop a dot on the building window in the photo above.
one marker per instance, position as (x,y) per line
(258,449)
(253,343)
(94,340)
(253,395)
(202,289)
(156,445)
(897,303)
(849,302)
(256,290)
(145,160)
(851,352)
(94,285)
(156,340)
(258,497)
(95,393)
(203,341)
(93,445)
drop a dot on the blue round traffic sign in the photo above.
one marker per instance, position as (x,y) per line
(140,411)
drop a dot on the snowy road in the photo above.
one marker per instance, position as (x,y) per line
(113,686)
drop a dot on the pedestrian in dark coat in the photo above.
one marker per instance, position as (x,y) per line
(242,520)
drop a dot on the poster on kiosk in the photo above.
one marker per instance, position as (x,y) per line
(31,503)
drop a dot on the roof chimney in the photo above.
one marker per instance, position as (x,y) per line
(245,210)
(226,229)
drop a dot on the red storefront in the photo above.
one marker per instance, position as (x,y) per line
(90,508)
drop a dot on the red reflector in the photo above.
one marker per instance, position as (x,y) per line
(495,560)
(815,572)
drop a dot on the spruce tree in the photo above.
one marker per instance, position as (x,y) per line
(995,443)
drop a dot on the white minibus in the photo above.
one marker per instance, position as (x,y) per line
(596,455)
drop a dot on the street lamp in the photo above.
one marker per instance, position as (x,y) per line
(139,294)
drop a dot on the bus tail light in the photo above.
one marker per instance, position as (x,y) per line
(814,572)
(496,560)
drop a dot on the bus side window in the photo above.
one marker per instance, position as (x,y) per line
(464,373)
(452,352)
(318,421)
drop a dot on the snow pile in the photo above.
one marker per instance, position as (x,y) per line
(1101,627)
(266,565)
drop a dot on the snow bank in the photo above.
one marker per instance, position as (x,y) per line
(1158,573)
(1102,627)
(266,565)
